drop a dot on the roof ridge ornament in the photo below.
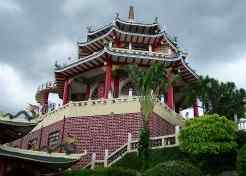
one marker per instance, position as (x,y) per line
(131,14)
(156,20)
(117,15)
(89,29)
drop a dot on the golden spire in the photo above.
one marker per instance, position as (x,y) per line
(131,14)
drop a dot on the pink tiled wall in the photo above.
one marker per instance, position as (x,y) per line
(97,133)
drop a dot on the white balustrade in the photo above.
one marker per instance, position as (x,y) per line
(93,160)
(155,142)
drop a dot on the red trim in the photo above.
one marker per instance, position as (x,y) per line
(170,99)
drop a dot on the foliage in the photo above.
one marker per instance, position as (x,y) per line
(242,161)
(147,80)
(132,161)
(210,134)
(241,138)
(144,146)
(215,164)
(102,172)
(212,164)
(173,168)
(217,97)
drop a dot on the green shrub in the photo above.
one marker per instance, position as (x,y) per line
(209,135)
(132,161)
(103,172)
(173,168)
(241,138)
(242,161)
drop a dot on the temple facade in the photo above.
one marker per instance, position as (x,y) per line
(100,112)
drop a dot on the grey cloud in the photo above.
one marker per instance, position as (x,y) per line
(211,31)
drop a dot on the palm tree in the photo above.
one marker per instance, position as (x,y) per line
(149,83)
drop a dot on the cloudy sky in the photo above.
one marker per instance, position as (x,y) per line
(34,34)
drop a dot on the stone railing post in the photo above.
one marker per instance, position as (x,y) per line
(130,92)
(177,129)
(162,99)
(163,142)
(106,158)
(129,141)
(93,160)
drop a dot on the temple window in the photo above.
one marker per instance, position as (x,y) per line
(53,139)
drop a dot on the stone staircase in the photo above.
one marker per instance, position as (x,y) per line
(131,146)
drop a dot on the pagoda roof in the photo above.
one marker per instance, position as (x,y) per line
(121,56)
(126,26)
(12,129)
(114,32)
(45,161)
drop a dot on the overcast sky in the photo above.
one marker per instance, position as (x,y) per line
(33,34)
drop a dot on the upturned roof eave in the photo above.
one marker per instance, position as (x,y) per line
(110,25)
(17,123)
(39,156)
(111,52)
(161,34)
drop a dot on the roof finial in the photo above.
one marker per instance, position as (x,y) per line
(117,15)
(156,20)
(89,28)
(131,14)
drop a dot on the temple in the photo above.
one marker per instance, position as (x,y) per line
(100,111)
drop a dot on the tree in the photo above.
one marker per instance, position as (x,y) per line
(217,97)
(149,82)
(208,135)
(242,161)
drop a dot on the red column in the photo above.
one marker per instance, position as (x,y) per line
(88,91)
(116,87)
(195,108)
(66,92)
(170,99)
(108,78)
